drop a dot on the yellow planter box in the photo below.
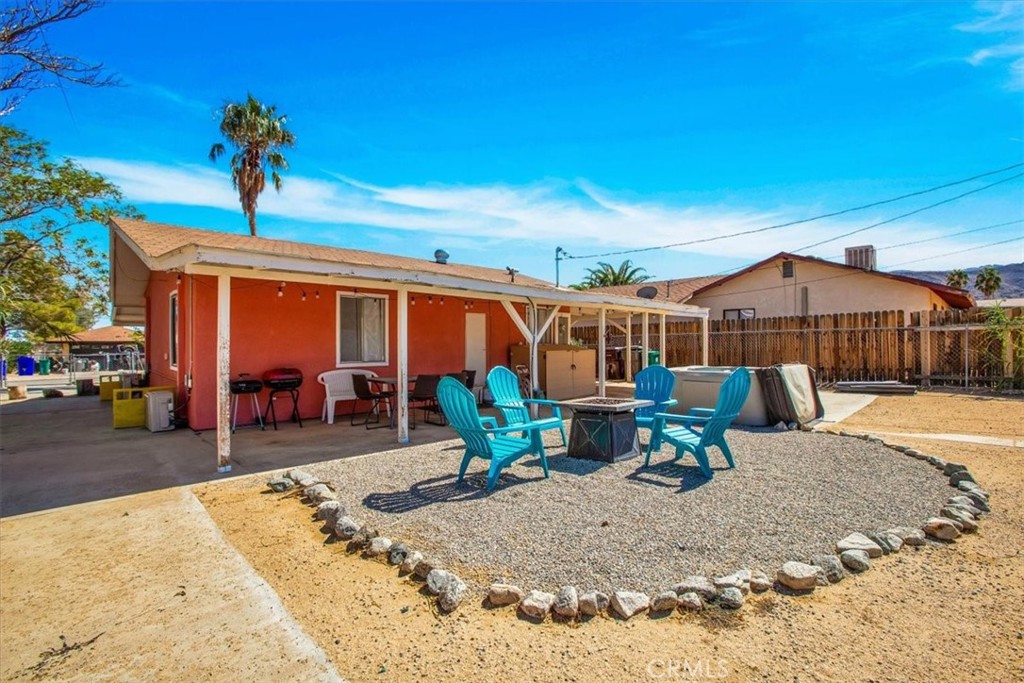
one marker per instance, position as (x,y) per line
(130,405)
(107,385)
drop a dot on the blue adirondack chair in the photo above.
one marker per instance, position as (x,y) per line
(654,383)
(484,439)
(679,430)
(504,387)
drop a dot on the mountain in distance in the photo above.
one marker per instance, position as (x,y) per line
(1012,274)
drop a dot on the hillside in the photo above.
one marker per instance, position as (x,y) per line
(1012,274)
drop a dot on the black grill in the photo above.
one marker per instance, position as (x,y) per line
(246,386)
(283,378)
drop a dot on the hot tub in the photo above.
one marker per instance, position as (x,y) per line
(697,386)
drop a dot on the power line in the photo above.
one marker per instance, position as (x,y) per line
(959,251)
(940,237)
(803,220)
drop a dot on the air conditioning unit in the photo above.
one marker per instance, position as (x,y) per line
(159,411)
(861,257)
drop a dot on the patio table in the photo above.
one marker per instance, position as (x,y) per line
(603,428)
(393,383)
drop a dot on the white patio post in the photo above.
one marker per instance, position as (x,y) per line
(629,347)
(402,404)
(645,340)
(223,373)
(705,340)
(602,365)
(661,341)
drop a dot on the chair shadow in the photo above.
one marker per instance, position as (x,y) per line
(671,474)
(563,464)
(439,490)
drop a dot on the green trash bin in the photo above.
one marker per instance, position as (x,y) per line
(653,357)
(44,366)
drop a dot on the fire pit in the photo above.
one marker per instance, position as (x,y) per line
(282,380)
(603,428)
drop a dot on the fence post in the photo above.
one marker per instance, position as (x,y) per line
(967,353)
(926,349)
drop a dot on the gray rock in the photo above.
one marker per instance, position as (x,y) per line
(855,560)
(380,545)
(955,522)
(318,493)
(328,511)
(301,478)
(977,501)
(878,540)
(738,579)
(593,603)
(567,602)
(798,576)
(629,603)
(898,447)
(666,601)
(857,541)
(893,541)
(537,604)
(437,579)
(346,528)
(398,553)
(760,582)
(697,584)
(953,467)
(913,453)
(280,484)
(937,461)
(730,598)
(874,439)
(410,562)
(365,534)
(962,475)
(941,528)
(969,509)
(451,595)
(966,519)
(909,535)
(972,486)
(423,568)
(831,565)
(691,602)
(501,594)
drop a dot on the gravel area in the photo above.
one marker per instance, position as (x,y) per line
(620,526)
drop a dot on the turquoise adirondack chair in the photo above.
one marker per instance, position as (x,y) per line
(484,439)
(504,387)
(679,430)
(654,383)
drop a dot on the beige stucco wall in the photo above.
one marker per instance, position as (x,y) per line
(830,290)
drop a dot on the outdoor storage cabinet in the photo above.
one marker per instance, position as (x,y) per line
(564,371)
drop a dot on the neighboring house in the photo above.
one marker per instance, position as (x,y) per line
(104,345)
(1004,303)
(216,304)
(790,284)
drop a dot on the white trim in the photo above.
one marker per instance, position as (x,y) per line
(173,337)
(338,363)
(223,374)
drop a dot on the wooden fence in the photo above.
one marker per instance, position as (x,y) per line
(949,347)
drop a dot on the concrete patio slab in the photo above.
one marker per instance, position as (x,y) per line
(838,406)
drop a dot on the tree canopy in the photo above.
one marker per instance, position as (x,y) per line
(607,275)
(258,135)
(957,278)
(988,281)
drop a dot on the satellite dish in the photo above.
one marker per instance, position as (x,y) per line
(647,292)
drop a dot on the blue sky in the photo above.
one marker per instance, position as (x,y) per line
(500,131)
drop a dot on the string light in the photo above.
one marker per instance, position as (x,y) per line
(430,298)
(178,279)
(317,295)
(280,289)
(412,301)
(442,301)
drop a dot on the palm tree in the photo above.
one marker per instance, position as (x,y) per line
(988,281)
(957,278)
(258,134)
(606,275)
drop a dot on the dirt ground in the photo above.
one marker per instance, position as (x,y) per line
(148,589)
(940,613)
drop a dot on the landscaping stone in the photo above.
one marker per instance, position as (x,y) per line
(378,546)
(909,535)
(318,493)
(280,484)
(858,541)
(365,534)
(730,598)
(965,518)
(629,603)
(410,562)
(328,511)
(879,541)
(977,501)
(798,576)
(346,528)
(666,601)
(913,453)
(451,595)
(301,477)
(760,582)
(738,579)
(423,568)
(697,584)
(831,566)
(537,604)
(691,602)
(969,509)
(937,461)
(953,467)
(567,602)
(893,541)
(398,553)
(962,475)
(898,447)
(437,579)
(855,560)
(941,528)
(972,486)
(501,594)
(593,603)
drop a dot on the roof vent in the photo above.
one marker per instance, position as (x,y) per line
(861,257)
(647,292)
(440,256)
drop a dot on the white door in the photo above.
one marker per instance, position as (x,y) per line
(476,346)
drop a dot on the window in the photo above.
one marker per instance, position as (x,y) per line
(362,329)
(172,353)
(787,269)
(738,314)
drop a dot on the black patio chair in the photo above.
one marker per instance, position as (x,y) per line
(424,397)
(361,387)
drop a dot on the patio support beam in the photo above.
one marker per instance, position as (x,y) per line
(547,323)
(661,341)
(629,347)
(516,319)
(223,373)
(705,341)
(402,402)
(602,364)
(617,326)
(645,340)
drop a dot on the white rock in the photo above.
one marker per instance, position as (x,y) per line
(378,546)
(567,602)
(857,541)
(666,601)
(855,560)
(909,535)
(537,604)
(437,579)
(629,603)
(799,576)
(691,602)
(593,603)
(941,528)
(697,584)
(500,594)
(451,595)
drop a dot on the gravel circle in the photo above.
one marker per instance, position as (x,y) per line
(621,526)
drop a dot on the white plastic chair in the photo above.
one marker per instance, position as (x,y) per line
(338,387)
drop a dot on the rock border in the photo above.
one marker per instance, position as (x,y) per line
(853,554)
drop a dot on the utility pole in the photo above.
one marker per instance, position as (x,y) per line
(558,259)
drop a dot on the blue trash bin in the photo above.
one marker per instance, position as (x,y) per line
(26,365)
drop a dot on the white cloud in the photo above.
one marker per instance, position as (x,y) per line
(1004,19)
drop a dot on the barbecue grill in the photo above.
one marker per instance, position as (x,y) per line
(283,380)
(240,386)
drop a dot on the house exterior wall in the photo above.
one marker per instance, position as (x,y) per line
(268,331)
(830,290)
